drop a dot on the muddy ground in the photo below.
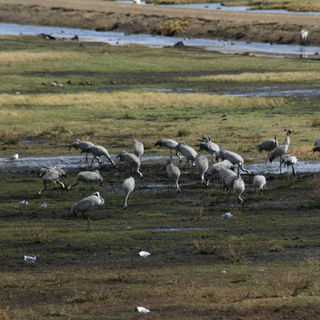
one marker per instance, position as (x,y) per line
(251,27)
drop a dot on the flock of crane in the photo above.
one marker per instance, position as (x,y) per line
(226,163)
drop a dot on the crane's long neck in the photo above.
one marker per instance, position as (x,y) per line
(287,139)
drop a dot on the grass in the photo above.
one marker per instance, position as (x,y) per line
(264,261)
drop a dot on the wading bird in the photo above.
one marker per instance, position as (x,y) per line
(208,145)
(188,152)
(303,36)
(88,177)
(173,172)
(290,160)
(97,152)
(132,160)
(234,158)
(82,145)
(239,186)
(87,206)
(51,176)
(168,143)
(281,150)
(217,167)
(259,182)
(127,188)
(316,145)
(138,148)
(202,165)
(268,145)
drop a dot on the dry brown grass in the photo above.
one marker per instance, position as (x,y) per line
(8,57)
(260,77)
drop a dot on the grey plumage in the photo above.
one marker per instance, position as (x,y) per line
(52,177)
(138,148)
(173,172)
(281,150)
(87,206)
(97,152)
(14,157)
(290,160)
(239,186)
(217,167)
(202,165)
(316,145)
(208,145)
(132,160)
(88,177)
(168,143)
(259,182)
(188,152)
(268,145)
(234,158)
(127,188)
(78,144)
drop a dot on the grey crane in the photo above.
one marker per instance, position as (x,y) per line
(226,154)
(316,145)
(132,160)
(97,152)
(290,160)
(78,144)
(208,145)
(188,152)
(215,169)
(138,148)
(87,177)
(239,186)
(303,36)
(281,150)
(87,206)
(268,145)
(168,143)
(259,181)
(52,177)
(128,187)
(229,180)
(202,165)
(173,172)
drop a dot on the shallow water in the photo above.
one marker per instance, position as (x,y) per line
(74,162)
(120,38)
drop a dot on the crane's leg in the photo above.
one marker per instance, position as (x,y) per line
(268,157)
(280,163)
(88,225)
(293,170)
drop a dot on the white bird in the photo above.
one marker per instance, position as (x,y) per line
(144,254)
(87,206)
(188,152)
(202,165)
(142,310)
(87,177)
(138,148)
(217,167)
(136,1)
(268,145)
(97,152)
(30,259)
(128,187)
(234,158)
(239,186)
(132,160)
(14,157)
(303,36)
(259,182)
(173,172)
(23,202)
(290,160)
(168,143)
(281,150)
(208,145)
(44,206)
(227,215)
(51,177)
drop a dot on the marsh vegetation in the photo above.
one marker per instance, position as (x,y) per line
(263,262)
